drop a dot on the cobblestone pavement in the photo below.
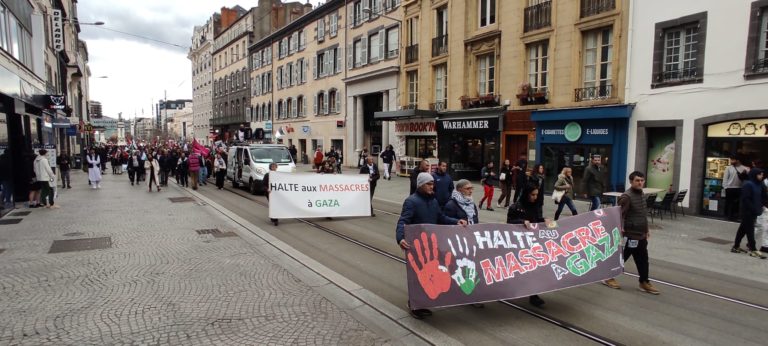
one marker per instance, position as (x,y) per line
(160,282)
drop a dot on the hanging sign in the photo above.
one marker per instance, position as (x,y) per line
(57,28)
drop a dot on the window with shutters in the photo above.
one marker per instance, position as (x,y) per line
(358,49)
(321,30)
(302,71)
(390,5)
(393,42)
(332,100)
(302,39)
(280,109)
(294,42)
(321,65)
(289,108)
(413,88)
(487,12)
(289,71)
(374,51)
(279,76)
(357,13)
(375,8)
(486,71)
(244,73)
(339,59)
(333,21)
(301,111)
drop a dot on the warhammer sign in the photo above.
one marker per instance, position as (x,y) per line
(57,29)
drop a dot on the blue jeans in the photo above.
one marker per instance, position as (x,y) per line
(563,202)
(595,203)
(8,193)
(203,174)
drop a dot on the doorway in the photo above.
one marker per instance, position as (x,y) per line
(302,151)
(514,145)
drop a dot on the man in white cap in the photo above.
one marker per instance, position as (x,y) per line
(421,208)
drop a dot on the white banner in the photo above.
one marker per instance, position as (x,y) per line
(318,195)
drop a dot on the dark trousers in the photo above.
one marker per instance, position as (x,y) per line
(163,177)
(132,176)
(373,189)
(732,196)
(64,178)
(220,178)
(519,191)
(565,200)
(47,193)
(746,227)
(640,253)
(506,192)
(182,178)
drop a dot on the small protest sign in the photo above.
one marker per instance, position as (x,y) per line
(318,195)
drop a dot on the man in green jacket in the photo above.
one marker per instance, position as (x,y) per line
(592,182)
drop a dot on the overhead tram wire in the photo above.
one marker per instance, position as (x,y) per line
(142,37)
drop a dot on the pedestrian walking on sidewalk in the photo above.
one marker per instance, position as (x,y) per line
(6,178)
(94,169)
(153,169)
(134,162)
(388,157)
(505,184)
(64,164)
(443,184)
(34,185)
(537,179)
(265,181)
(194,163)
(421,208)
(45,178)
(488,178)
(565,183)
(634,212)
(526,211)
(593,182)
(751,207)
(372,170)
(733,179)
(220,167)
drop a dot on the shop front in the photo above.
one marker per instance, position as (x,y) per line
(415,139)
(569,138)
(746,139)
(468,140)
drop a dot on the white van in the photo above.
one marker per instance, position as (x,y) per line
(247,164)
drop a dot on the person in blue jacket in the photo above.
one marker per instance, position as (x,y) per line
(443,184)
(421,208)
(751,207)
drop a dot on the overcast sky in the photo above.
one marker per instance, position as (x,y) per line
(138,70)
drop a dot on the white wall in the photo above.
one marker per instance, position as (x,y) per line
(724,89)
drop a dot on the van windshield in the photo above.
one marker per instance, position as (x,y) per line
(269,155)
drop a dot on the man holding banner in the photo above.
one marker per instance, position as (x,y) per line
(372,170)
(422,208)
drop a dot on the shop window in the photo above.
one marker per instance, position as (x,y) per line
(679,51)
(598,61)
(757,40)
(421,147)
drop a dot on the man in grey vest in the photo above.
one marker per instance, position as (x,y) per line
(636,234)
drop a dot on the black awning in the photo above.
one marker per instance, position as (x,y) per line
(404,114)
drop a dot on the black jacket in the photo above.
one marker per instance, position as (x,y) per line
(375,176)
(454,210)
(521,211)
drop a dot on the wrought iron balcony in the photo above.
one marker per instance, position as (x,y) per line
(411,53)
(439,106)
(602,92)
(537,16)
(760,65)
(593,7)
(534,96)
(485,101)
(410,106)
(440,45)
(678,75)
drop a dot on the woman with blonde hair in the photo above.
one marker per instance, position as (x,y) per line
(565,184)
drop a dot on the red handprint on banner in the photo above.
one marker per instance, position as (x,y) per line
(433,277)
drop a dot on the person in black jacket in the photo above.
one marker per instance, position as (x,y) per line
(388,156)
(526,211)
(372,170)
(443,184)
(265,181)
(422,167)
(488,179)
(461,206)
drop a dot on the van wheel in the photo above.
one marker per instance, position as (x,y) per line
(253,188)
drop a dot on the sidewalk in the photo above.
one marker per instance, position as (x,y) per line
(120,265)
(672,240)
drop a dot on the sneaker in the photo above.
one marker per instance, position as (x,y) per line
(498,205)
(536,301)
(612,283)
(738,250)
(489,209)
(757,254)
(419,314)
(648,288)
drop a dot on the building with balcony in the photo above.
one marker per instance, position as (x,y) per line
(297,87)
(567,82)
(696,72)
(200,54)
(231,76)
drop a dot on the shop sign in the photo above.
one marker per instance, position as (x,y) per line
(57,30)
(268,126)
(572,131)
(55,102)
(468,124)
(415,127)
(740,128)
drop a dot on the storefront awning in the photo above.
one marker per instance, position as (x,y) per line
(604,112)
(404,114)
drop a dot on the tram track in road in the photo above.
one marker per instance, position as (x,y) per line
(544,317)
